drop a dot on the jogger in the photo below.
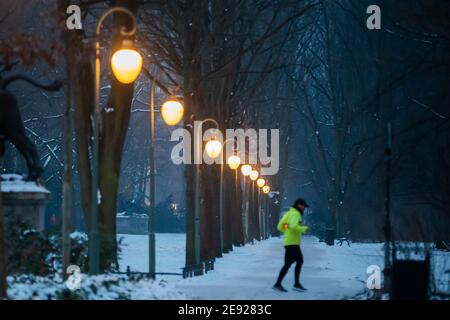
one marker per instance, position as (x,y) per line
(290,225)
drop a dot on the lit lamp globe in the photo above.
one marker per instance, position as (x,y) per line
(172,111)
(213,148)
(260,182)
(254,175)
(246,169)
(234,162)
(266,189)
(126,65)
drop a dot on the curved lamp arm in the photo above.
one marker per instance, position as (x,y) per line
(123,30)
(211,120)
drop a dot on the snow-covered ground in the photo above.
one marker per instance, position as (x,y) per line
(337,272)
(170,252)
(250,271)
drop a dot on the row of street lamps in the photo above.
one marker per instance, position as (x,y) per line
(126,65)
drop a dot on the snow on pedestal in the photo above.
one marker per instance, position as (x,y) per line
(25,200)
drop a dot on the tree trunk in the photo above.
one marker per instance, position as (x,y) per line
(3,258)
(209,216)
(67,189)
(82,88)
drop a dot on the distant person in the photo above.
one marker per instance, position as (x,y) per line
(292,229)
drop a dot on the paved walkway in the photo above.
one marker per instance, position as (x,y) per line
(249,272)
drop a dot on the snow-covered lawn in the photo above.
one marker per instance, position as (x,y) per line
(250,271)
(170,252)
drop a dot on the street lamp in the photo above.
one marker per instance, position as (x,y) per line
(234,162)
(197,193)
(266,190)
(126,65)
(213,148)
(261,182)
(254,175)
(172,111)
(246,169)
(171,118)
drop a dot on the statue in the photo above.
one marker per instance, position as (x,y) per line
(11,126)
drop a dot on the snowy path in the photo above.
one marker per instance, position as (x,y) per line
(250,271)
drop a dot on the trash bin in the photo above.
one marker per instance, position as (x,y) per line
(330,234)
(410,279)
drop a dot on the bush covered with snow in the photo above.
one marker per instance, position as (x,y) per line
(39,253)
(102,287)
(28,250)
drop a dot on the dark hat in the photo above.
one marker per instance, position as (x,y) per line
(300,201)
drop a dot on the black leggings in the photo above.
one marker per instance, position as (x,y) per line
(293,254)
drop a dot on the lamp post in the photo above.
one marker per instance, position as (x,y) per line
(266,209)
(387,223)
(172,111)
(3,272)
(126,64)
(245,169)
(261,213)
(266,190)
(253,177)
(236,161)
(151,217)
(212,148)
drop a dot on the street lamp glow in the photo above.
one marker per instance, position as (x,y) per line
(266,189)
(260,182)
(234,162)
(126,65)
(254,175)
(246,169)
(213,148)
(172,111)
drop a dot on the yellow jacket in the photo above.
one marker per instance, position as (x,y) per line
(290,225)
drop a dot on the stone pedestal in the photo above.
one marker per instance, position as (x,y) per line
(24,200)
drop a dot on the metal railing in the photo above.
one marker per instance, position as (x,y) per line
(198,269)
